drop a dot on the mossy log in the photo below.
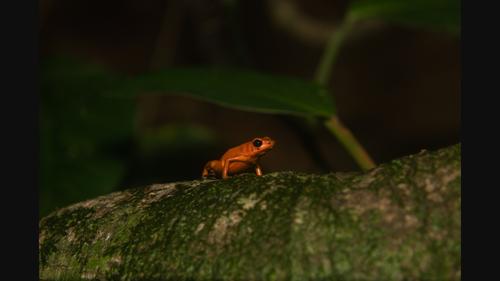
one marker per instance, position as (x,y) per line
(399,221)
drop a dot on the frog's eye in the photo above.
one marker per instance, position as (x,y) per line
(257,143)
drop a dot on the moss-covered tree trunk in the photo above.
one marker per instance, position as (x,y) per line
(400,221)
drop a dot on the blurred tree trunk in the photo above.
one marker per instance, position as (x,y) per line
(399,221)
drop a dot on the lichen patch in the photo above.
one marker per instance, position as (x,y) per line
(299,217)
(429,186)
(301,210)
(366,181)
(101,202)
(450,175)
(199,228)
(435,197)
(248,202)
(391,215)
(114,261)
(263,205)
(220,233)
(70,235)
(158,192)
(437,234)
(360,202)
(236,217)
(88,275)
(411,221)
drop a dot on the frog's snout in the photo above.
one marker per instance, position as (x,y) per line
(271,143)
(268,143)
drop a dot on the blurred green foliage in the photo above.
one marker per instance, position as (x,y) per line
(439,15)
(82,131)
(87,136)
(88,142)
(171,152)
(173,137)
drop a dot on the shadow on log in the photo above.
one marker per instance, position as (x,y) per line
(399,221)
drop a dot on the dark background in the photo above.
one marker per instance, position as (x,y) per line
(397,88)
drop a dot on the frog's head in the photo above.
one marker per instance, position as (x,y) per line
(262,145)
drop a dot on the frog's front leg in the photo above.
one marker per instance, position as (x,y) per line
(258,170)
(228,161)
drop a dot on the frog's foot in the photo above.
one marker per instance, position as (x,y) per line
(209,171)
(258,170)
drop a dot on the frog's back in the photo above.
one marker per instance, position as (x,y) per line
(244,149)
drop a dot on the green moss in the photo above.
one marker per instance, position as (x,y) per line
(387,224)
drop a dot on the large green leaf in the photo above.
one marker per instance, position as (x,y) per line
(442,15)
(234,88)
(240,89)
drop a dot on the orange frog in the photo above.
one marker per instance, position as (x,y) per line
(239,159)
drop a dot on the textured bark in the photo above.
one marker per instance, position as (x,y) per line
(399,221)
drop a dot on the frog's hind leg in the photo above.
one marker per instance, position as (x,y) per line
(209,169)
